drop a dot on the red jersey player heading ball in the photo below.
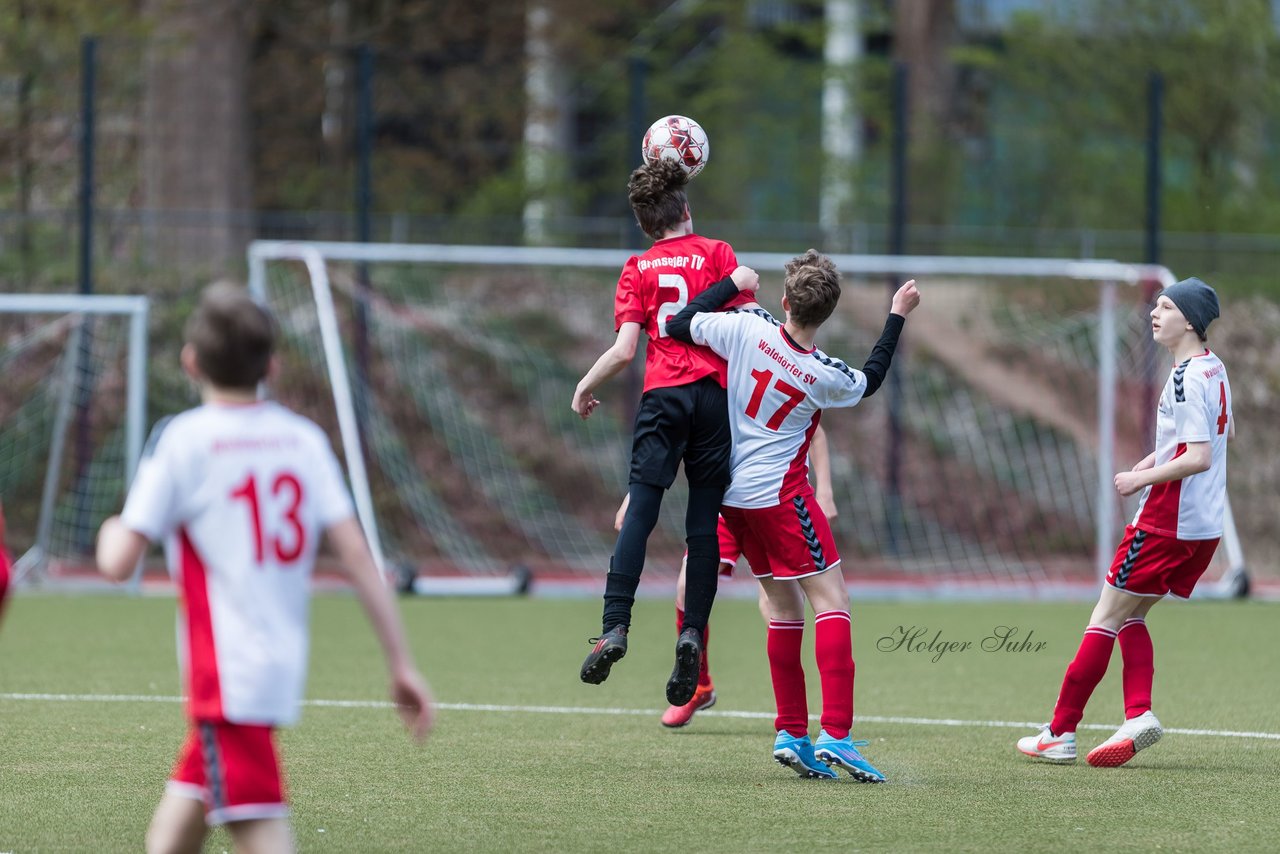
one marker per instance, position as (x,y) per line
(682,416)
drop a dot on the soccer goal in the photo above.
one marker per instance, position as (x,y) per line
(71,423)
(444,374)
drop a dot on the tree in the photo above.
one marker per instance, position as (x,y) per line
(1080,74)
(196,141)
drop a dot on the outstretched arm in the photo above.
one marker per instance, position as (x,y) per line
(877,365)
(409,690)
(609,364)
(712,299)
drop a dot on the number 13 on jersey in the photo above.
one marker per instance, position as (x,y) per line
(283,531)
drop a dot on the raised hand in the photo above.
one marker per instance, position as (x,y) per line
(906,299)
(746,279)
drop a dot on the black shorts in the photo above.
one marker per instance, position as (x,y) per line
(687,422)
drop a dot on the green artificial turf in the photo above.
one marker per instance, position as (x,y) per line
(84,774)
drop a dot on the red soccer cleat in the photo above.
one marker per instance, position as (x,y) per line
(703,698)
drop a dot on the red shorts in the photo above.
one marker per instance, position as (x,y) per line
(788,540)
(730,551)
(1148,564)
(234,769)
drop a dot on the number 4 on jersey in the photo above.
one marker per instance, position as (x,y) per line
(1222,416)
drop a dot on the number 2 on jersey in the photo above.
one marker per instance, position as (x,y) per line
(794,397)
(286,549)
(668,310)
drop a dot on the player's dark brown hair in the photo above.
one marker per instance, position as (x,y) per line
(656,192)
(232,335)
(812,287)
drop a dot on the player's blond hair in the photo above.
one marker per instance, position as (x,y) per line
(656,193)
(812,287)
(232,335)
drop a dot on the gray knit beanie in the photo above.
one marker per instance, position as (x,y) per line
(1196,300)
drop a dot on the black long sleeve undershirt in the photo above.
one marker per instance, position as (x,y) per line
(712,299)
(877,365)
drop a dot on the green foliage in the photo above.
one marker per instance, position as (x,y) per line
(1076,111)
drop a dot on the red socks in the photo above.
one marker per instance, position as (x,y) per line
(1139,666)
(834,648)
(704,673)
(787,672)
(1083,675)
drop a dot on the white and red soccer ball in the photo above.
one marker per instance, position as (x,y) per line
(677,138)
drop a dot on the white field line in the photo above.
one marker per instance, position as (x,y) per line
(593,710)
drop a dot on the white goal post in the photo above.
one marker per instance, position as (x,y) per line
(82,352)
(1106,276)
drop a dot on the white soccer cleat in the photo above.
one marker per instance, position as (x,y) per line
(1134,734)
(1049,747)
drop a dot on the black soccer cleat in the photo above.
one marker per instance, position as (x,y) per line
(609,647)
(684,678)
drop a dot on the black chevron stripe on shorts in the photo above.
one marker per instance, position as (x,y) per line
(1179,391)
(810,535)
(213,766)
(1130,558)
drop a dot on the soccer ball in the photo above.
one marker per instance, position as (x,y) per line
(680,139)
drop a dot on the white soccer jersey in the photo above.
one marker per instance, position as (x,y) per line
(776,395)
(1195,406)
(241,494)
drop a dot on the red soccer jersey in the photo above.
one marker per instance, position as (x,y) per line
(654,286)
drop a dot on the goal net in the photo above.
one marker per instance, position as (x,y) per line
(444,375)
(71,423)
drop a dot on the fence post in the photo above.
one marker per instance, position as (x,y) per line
(1155,129)
(364,227)
(84,372)
(1106,429)
(88,75)
(897,246)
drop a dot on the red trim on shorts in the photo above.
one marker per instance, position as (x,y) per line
(205,702)
(1160,512)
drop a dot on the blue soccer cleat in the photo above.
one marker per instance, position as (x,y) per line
(843,753)
(797,754)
